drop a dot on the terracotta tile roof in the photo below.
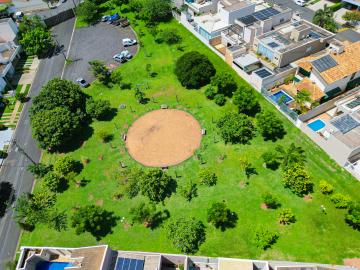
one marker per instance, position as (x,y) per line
(348,63)
(315,91)
(305,63)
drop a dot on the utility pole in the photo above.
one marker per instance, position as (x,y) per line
(58,45)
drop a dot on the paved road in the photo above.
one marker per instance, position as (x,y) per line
(99,42)
(14,169)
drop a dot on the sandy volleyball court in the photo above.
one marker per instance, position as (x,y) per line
(163,138)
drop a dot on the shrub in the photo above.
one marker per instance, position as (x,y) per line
(194,70)
(269,200)
(270,126)
(186,234)
(246,101)
(88,11)
(236,128)
(143,214)
(39,169)
(3,154)
(225,83)
(188,191)
(207,177)
(129,182)
(65,165)
(220,99)
(336,6)
(210,92)
(297,180)
(221,216)
(104,136)
(264,238)
(169,35)
(353,216)
(340,200)
(325,187)
(20,97)
(286,216)
(271,159)
(53,182)
(98,109)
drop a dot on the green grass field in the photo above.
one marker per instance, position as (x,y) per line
(314,237)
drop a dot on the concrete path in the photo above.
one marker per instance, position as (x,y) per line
(16,108)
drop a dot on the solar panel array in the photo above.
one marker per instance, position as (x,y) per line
(345,123)
(314,35)
(260,15)
(262,73)
(324,63)
(129,264)
(353,104)
(265,13)
(273,45)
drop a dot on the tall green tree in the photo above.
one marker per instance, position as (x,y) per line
(37,41)
(186,234)
(155,11)
(225,83)
(100,71)
(246,101)
(270,126)
(297,180)
(221,216)
(325,18)
(156,185)
(88,11)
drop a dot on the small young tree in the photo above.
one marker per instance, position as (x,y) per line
(207,177)
(297,180)
(271,159)
(220,99)
(325,187)
(104,136)
(246,101)
(225,83)
(186,234)
(221,216)
(353,17)
(156,185)
(57,220)
(169,35)
(129,182)
(100,71)
(65,165)
(270,126)
(264,238)
(286,216)
(353,216)
(236,128)
(39,169)
(341,200)
(269,200)
(98,109)
(140,96)
(143,214)
(188,190)
(53,181)
(210,92)
(301,98)
(291,156)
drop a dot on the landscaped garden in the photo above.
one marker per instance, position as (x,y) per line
(256,196)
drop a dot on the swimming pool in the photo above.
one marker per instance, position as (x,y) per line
(281,95)
(53,265)
(316,125)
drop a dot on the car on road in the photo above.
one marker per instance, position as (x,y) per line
(105,18)
(122,57)
(82,82)
(128,42)
(300,3)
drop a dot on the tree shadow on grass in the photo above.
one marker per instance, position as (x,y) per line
(159,218)
(276,135)
(104,225)
(7,197)
(83,135)
(109,115)
(232,219)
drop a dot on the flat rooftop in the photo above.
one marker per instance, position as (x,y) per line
(279,39)
(232,5)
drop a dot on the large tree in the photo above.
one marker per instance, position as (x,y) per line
(194,70)
(225,83)
(236,128)
(88,11)
(325,18)
(246,101)
(270,126)
(187,234)
(221,216)
(353,216)
(297,180)
(156,185)
(55,128)
(154,11)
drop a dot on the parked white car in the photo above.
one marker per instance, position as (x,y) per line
(122,56)
(128,42)
(300,3)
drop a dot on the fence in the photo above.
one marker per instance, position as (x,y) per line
(53,19)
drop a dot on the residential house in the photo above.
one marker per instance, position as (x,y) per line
(210,25)
(196,7)
(104,258)
(9,50)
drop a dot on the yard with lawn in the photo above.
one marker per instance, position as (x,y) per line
(316,236)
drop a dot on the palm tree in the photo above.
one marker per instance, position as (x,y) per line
(301,98)
(325,18)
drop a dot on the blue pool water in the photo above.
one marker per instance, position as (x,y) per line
(281,95)
(316,125)
(53,265)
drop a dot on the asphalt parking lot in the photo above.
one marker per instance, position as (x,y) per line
(99,42)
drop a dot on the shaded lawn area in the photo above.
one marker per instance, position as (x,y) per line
(314,237)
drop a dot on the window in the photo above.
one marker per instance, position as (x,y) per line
(265,52)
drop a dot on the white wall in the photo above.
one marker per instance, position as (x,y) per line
(316,77)
(8,30)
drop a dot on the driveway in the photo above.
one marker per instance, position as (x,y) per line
(99,42)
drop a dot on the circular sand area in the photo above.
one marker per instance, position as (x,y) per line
(163,138)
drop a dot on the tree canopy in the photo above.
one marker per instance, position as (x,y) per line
(236,128)
(246,101)
(88,10)
(65,165)
(156,185)
(270,126)
(225,83)
(98,109)
(297,180)
(325,18)
(221,216)
(352,17)
(154,11)
(186,234)
(194,70)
